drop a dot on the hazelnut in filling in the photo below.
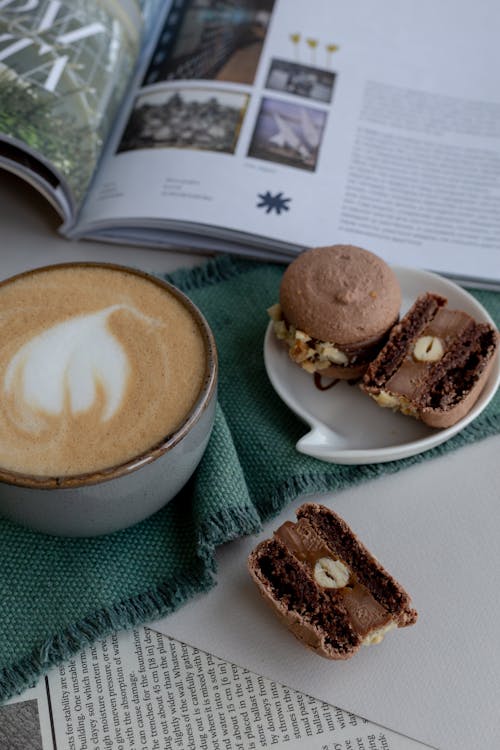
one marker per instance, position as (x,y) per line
(367,617)
(326,586)
(311,354)
(435,363)
(324,357)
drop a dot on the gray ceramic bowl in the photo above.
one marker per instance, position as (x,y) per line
(106,501)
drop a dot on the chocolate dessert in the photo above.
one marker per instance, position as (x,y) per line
(337,305)
(329,590)
(434,365)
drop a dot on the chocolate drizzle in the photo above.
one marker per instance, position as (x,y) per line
(318,382)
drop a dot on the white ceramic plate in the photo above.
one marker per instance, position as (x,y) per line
(347,427)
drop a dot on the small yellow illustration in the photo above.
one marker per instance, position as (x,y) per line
(312,44)
(295,39)
(330,50)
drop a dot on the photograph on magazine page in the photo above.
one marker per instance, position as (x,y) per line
(300,80)
(212,39)
(64,68)
(288,133)
(20,726)
(200,119)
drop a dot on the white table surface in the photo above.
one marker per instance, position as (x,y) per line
(28,238)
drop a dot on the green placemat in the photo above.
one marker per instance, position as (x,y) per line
(57,595)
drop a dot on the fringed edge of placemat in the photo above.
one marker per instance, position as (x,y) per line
(138,610)
(308,483)
(221,268)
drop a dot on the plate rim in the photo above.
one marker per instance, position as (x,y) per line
(400,450)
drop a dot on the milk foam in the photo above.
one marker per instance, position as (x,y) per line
(65,364)
(97,366)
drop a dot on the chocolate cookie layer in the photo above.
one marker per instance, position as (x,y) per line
(326,586)
(434,365)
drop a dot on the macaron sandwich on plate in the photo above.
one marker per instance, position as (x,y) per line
(346,426)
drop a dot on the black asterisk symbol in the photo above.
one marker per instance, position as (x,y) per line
(273,202)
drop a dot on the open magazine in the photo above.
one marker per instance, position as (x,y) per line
(262,126)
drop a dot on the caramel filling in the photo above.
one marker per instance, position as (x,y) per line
(367,617)
(446,326)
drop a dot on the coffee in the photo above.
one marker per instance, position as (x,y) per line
(97,365)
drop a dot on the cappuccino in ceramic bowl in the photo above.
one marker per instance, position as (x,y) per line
(103,370)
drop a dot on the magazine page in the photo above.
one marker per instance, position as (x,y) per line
(272,124)
(141,689)
(64,68)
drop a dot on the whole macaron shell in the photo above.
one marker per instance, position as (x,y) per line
(340,294)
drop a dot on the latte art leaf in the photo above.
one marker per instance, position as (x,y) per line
(98,365)
(67,365)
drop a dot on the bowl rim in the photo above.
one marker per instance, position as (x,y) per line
(207,392)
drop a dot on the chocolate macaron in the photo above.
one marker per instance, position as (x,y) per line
(326,586)
(435,363)
(336,307)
